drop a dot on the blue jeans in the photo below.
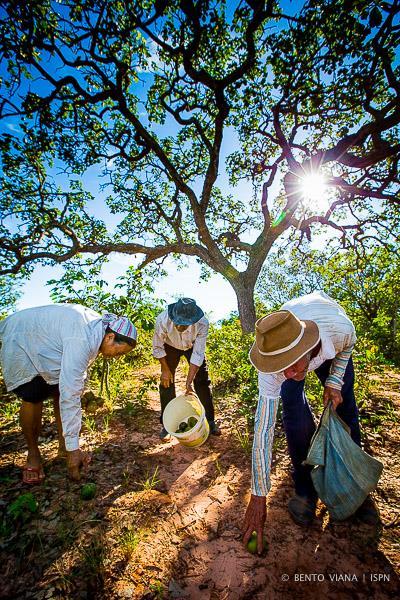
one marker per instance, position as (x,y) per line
(299,424)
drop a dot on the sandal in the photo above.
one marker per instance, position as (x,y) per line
(31,481)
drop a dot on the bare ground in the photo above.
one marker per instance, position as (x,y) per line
(178,535)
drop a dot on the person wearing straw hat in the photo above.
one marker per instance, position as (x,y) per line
(45,352)
(181,330)
(310,333)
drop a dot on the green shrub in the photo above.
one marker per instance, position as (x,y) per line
(230,368)
(23,507)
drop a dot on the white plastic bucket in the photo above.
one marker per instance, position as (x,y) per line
(180,409)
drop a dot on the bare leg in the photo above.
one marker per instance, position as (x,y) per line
(62,452)
(30,417)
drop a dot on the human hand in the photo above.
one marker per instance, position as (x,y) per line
(166,378)
(77,460)
(254,520)
(333,396)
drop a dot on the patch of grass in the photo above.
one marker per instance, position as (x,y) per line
(158,589)
(377,416)
(219,468)
(242,437)
(93,556)
(279,442)
(5,529)
(90,424)
(126,478)
(60,569)
(128,541)
(106,425)
(135,406)
(9,412)
(22,508)
(66,534)
(150,481)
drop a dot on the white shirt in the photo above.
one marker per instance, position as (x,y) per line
(195,336)
(337,340)
(58,342)
(335,328)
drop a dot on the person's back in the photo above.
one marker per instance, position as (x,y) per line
(322,309)
(45,353)
(40,335)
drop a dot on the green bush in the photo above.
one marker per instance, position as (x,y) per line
(229,364)
(23,507)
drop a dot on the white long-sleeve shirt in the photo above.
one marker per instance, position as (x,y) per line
(337,341)
(195,336)
(58,342)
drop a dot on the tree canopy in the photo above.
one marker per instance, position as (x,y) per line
(173,104)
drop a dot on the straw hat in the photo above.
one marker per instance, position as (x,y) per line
(281,340)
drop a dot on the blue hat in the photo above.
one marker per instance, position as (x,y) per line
(184,312)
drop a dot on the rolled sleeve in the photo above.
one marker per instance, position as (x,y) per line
(199,346)
(75,360)
(339,363)
(338,368)
(264,428)
(159,338)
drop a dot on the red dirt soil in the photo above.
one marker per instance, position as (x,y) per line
(188,528)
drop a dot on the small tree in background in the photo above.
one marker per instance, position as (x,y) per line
(146,93)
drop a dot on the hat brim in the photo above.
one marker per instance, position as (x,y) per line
(280,362)
(186,321)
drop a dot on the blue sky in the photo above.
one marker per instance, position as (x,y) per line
(215,296)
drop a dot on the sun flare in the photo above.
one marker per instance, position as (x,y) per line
(314,189)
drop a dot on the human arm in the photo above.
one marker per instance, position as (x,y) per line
(334,381)
(198,351)
(77,460)
(190,376)
(264,427)
(199,345)
(167,377)
(254,520)
(76,356)
(159,337)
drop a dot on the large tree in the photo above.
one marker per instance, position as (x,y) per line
(145,93)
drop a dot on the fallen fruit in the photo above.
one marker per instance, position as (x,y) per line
(252,543)
(183,426)
(88,491)
(192,421)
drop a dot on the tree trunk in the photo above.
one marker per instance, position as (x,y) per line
(247,311)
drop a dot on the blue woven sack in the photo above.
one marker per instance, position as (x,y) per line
(343,474)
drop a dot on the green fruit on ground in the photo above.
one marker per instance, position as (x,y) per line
(183,426)
(88,491)
(252,543)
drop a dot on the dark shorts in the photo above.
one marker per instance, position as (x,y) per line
(36,390)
